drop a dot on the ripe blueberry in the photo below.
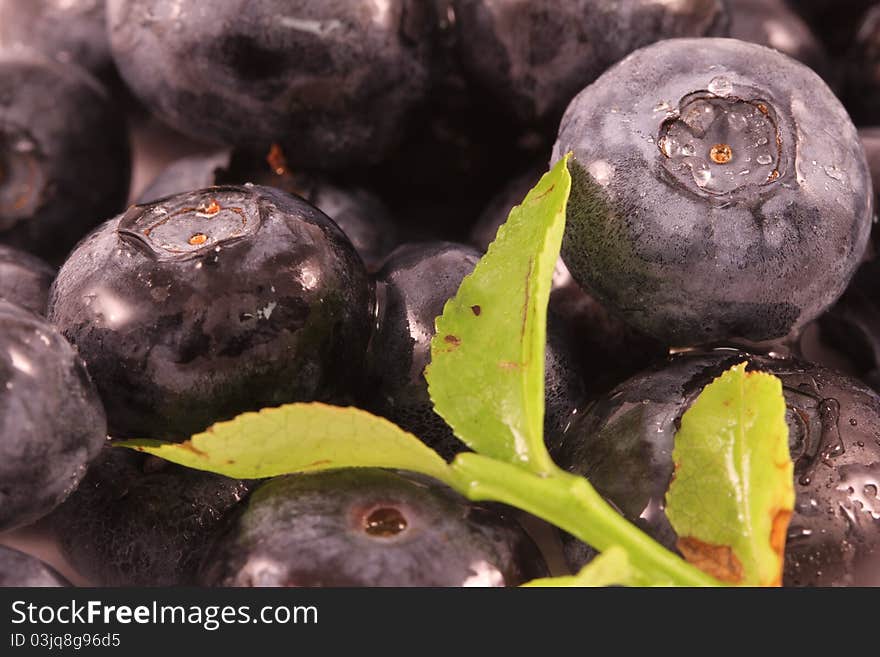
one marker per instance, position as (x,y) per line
(719,192)
(330,79)
(64,158)
(368,527)
(22,570)
(140,521)
(51,420)
(25,280)
(201,306)
(623,445)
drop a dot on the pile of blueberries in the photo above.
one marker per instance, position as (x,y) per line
(359,157)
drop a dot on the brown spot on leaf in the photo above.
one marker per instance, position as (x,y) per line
(545,192)
(778,531)
(719,561)
(525,315)
(454,340)
(476,310)
(510,365)
(192,448)
(316,464)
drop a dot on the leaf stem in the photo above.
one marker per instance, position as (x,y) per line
(572,504)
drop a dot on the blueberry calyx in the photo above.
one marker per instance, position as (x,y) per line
(722,140)
(190,225)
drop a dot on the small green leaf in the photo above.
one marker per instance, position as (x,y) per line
(733,492)
(300,438)
(486,376)
(611,568)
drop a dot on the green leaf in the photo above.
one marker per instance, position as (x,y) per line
(300,438)
(733,492)
(486,376)
(611,568)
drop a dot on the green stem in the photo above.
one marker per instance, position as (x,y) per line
(572,504)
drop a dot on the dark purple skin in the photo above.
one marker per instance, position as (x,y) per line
(25,280)
(72,31)
(623,445)
(137,520)
(687,248)
(870,138)
(368,527)
(359,213)
(22,570)
(201,306)
(51,420)
(412,289)
(852,326)
(773,24)
(331,80)
(862,71)
(533,57)
(833,21)
(457,150)
(64,155)
(607,349)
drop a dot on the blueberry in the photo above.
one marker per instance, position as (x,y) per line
(140,521)
(773,24)
(870,138)
(603,345)
(456,150)
(852,326)
(22,570)
(64,158)
(862,70)
(412,289)
(719,192)
(51,420)
(70,30)
(533,57)
(368,527)
(623,445)
(360,214)
(203,305)
(833,21)
(331,80)
(25,280)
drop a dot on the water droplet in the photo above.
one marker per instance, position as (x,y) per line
(830,443)
(764,158)
(833,172)
(862,484)
(702,176)
(384,522)
(737,121)
(720,86)
(798,533)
